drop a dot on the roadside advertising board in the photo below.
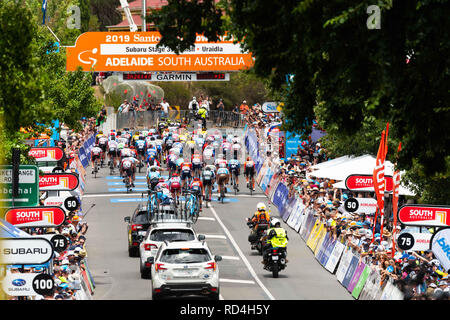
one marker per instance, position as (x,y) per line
(364,182)
(27,284)
(360,205)
(46,153)
(28,186)
(58,181)
(25,250)
(35,216)
(440,245)
(414,241)
(271,107)
(424,215)
(138,51)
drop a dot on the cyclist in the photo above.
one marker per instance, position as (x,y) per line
(172,163)
(96,154)
(208,180)
(128,169)
(223,175)
(98,135)
(236,147)
(152,161)
(249,172)
(175,186)
(102,143)
(153,176)
(235,170)
(197,164)
(113,151)
(151,151)
(140,147)
(186,169)
(197,185)
(168,142)
(226,147)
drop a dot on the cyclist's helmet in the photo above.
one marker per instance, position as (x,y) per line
(175,174)
(261,206)
(152,169)
(100,132)
(113,138)
(161,179)
(141,138)
(196,179)
(248,158)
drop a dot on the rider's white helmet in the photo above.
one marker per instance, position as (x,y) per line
(261,206)
(274,222)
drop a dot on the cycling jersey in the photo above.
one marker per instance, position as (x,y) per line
(220,161)
(112,145)
(196,185)
(154,175)
(126,152)
(234,165)
(197,160)
(186,167)
(226,146)
(140,145)
(96,151)
(208,176)
(223,171)
(126,163)
(102,140)
(152,151)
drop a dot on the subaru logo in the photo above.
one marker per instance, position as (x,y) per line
(18,282)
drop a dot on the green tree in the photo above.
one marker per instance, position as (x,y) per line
(345,70)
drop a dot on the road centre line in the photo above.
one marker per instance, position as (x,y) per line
(230,258)
(244,259)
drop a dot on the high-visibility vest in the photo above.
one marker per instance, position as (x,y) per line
(280,240)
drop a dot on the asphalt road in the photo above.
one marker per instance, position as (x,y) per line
(117,276)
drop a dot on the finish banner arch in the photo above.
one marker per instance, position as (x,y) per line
(138,51)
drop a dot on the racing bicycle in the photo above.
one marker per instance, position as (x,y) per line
(191,204)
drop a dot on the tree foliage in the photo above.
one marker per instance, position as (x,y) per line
(35,88)
(348,74)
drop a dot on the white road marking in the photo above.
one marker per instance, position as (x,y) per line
(215,236)
(206,218)
(230,258)
(244,259)
(237,281)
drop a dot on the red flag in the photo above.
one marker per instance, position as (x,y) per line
(378,179)
(395,194)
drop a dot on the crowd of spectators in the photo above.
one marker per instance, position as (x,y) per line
(419,275)
(68,265)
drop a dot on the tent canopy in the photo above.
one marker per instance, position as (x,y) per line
(340,168)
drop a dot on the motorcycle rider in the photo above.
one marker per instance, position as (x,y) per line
(276,237)
(261,216)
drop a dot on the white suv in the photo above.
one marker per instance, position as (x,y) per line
(157,234)
(185,268)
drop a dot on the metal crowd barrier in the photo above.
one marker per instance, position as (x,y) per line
(146,119)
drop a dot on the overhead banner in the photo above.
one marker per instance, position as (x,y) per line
(46,154)
(424,215)
(364,182)
(440,245)
(138,51)
(35,217)
(58,181)
(25,251)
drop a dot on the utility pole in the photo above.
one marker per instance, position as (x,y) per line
(144,13)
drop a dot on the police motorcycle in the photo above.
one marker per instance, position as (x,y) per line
(274,255)
(256,236)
